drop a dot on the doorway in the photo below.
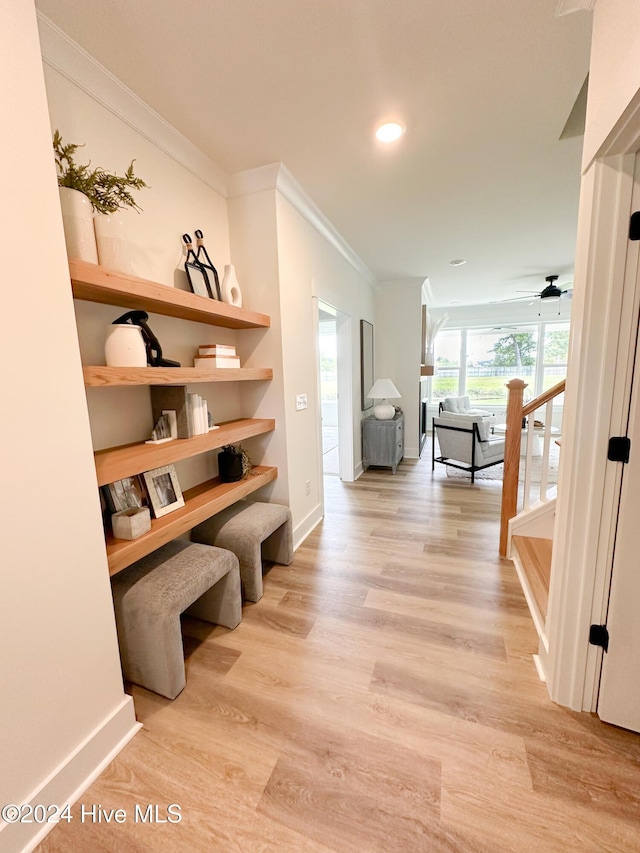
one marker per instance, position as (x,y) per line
(335,391)
(328,361)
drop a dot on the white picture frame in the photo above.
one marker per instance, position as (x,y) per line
(165,494)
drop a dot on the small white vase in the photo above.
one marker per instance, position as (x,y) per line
(113,245)
(230,288)
(125,347)
(77,218)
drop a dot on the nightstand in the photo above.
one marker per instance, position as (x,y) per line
(382,442)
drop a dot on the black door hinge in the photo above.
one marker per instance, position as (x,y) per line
(599,636)
(634,226)
(619,448)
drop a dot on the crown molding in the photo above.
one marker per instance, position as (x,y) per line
(427,293)
(70,60)
(276,176)
(73,62)
(566,7)
(254,180)
(408,281)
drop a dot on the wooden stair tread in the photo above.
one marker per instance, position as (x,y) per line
(535,557)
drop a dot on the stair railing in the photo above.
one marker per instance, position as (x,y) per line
(516,439)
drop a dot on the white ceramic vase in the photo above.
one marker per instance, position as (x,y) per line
(113,245)
(125,347)
(230,288)
(77,218)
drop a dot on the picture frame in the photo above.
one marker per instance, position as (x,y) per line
(163,488)
(127,493)
(198,279)
(366,363)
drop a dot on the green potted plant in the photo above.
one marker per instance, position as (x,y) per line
(85,191)
(233,463)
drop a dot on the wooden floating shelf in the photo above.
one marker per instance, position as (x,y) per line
(93,283)
(98,376)
(130,459)
(201,503)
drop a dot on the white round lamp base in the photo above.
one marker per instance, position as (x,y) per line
(384,411)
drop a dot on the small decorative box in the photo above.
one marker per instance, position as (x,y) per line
(131,523)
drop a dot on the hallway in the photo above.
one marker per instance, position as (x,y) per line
(380,697)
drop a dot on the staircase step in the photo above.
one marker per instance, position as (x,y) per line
(535,559)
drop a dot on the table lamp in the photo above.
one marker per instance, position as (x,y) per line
(382,390)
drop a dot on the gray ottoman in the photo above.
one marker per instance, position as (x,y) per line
(149,597)
(251,530)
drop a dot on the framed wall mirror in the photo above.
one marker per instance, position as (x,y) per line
(366,363)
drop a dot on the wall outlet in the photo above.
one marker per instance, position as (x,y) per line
(307,487)
(301,402)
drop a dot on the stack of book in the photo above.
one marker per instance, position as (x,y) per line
(216,355)
(192,414)
(199,413)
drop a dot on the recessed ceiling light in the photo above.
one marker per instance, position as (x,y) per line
(389,132)
(458,262)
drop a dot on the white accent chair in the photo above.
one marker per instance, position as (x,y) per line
(465,442)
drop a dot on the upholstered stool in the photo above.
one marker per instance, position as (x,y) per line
(250,530)
(149,597)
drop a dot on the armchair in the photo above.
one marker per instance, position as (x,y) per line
(465,442)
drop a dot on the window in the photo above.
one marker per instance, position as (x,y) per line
(446,381)
(494,357)
(554,356)
(480,362)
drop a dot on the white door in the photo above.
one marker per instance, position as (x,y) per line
(619,697)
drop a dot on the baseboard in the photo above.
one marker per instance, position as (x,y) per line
(305,527)
(542,675)
(358,471)
(71,778)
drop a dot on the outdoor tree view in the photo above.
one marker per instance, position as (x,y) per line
(492,357)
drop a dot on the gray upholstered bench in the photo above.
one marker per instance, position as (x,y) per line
(251,530)
(149,597)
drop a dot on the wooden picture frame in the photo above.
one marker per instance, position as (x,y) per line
(366,363)
(163,488)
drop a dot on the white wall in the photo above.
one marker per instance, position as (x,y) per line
(59,667)
(175,202)
(310,266)
(397,342)
(614,74)
(284,261)
(254,251)
(601,335)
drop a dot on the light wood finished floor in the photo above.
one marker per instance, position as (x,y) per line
(380,697)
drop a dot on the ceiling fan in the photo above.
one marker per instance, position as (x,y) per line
(549,293)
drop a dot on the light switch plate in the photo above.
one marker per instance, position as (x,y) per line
(301,402)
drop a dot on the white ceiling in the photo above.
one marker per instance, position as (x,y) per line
(484,87)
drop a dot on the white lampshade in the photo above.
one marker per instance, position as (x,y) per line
(382,390)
